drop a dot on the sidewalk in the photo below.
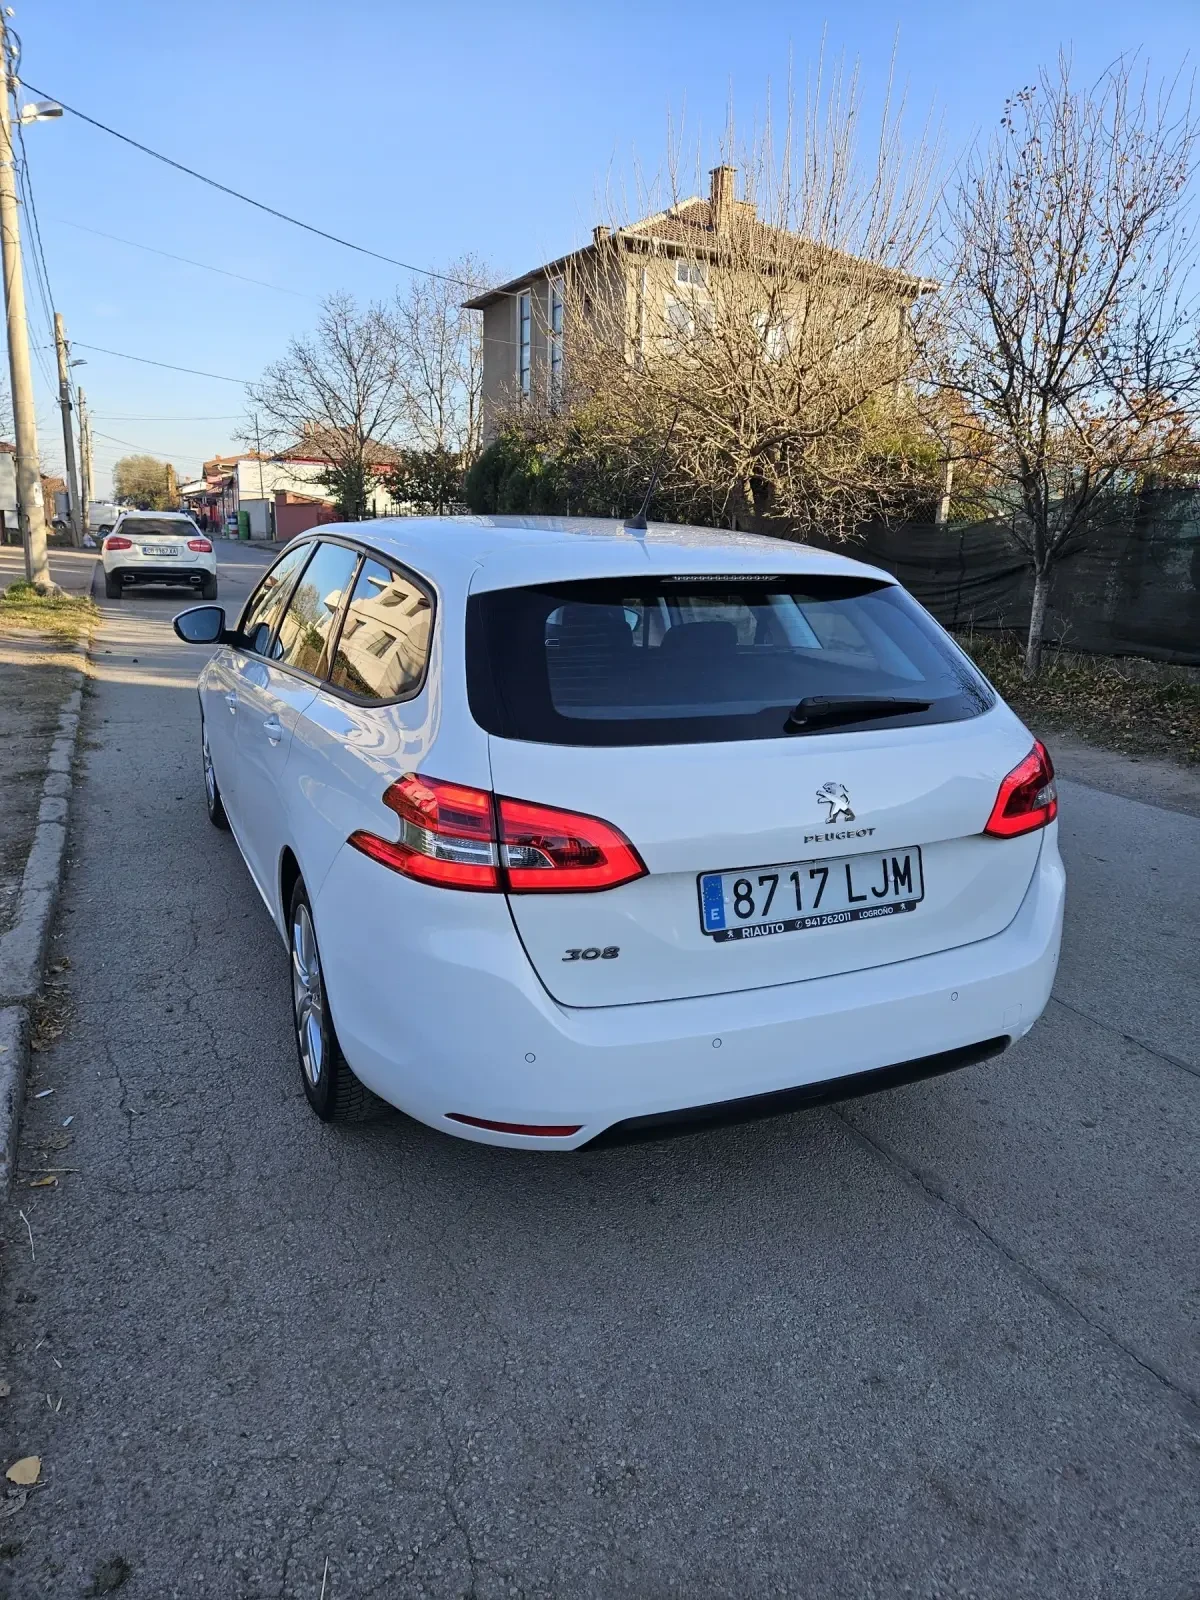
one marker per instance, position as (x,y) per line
(41,690)
(71,569)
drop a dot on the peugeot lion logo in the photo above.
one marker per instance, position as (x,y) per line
(835,797)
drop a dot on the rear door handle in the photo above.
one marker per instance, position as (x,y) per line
(231,699)
(273,729)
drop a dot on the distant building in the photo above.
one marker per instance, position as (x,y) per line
(663,272)
(10,531)
(262,486)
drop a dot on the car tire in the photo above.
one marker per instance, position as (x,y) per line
(208,588)
(112,586)
(330,1086)
(212,790)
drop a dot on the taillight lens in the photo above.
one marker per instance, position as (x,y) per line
(115,541)
(447,834)
(200,545)
(544,849)
(461,838)
(1028,798)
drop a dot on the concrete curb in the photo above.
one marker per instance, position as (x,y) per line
(23,947)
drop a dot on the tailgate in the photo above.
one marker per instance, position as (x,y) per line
(918,799)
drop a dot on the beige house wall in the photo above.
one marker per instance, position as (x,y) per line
(645,283)
(500,391)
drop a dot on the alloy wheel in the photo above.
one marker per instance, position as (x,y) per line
(210,777)
(308,995)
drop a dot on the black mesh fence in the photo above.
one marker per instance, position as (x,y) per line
(1135,589)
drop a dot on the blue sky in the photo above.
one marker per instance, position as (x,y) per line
(424,131)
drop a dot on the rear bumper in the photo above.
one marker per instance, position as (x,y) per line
(663,1124)
(148,574)
(438,1013)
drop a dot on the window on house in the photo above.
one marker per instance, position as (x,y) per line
(680,321)
(690,319)
(691,272)
(523,342)
(776,333)
(640,346)
(556,336)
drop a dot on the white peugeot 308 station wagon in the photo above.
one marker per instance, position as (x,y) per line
(577,834)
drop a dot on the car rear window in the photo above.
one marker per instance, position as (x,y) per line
(690,659)
(158,528)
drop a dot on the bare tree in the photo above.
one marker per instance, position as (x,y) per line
(772,327)
(1064,329)
(338,393)
(440,354)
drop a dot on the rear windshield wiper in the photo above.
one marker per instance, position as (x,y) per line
(817,710)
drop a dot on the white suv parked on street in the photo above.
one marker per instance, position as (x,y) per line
(158,547)
(576,834)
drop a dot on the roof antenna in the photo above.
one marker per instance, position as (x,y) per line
(637,523)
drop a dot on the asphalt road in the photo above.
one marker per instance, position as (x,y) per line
(937,1343)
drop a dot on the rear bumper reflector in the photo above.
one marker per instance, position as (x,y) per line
(664,1124)
(532,1130)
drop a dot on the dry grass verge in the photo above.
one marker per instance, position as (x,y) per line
(1125,704)
(66,616)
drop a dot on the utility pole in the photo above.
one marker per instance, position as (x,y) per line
(64,405)
(262,493)
(942,513)
(85,457)
(29,475)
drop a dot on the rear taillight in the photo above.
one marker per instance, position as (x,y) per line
(201,545)
(462,838)
(116,542)
(1027,798)
(447,835)
(543,848)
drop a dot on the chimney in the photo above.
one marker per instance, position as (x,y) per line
(600,233)
(720,197)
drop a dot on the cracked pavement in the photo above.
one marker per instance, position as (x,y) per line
(939,1343)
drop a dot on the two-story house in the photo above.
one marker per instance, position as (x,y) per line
(666,271)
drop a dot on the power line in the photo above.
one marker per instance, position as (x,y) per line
(407,266)
(187,261)
(130,445)
(221,377)
(108,416)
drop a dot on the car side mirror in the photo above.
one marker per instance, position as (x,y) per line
(201,625)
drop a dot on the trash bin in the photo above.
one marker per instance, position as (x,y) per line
(243,524)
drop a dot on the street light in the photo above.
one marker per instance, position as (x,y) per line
(39,111)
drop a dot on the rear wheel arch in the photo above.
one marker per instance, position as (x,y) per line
(289,876)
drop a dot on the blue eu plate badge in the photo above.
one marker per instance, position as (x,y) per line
(712,901)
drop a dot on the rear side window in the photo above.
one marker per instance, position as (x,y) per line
(304,634)
(384,643)
(268,600)
(691,660)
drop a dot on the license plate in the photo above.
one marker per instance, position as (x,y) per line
(160,549)
(755,902)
